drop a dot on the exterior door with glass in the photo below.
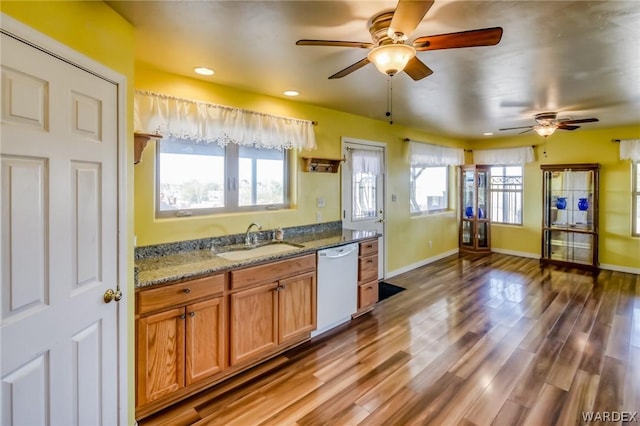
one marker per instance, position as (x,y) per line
(363,189)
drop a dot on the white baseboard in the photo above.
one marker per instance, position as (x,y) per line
(618,268)
(421,263)
(517,253)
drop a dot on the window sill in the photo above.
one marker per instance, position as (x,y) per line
(421,215)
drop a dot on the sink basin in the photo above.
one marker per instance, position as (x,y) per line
(264,250)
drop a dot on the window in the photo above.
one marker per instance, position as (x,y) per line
(636,200)
(205,178)
(506,194)
(429,189)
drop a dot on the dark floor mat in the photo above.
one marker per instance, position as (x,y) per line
(386,290)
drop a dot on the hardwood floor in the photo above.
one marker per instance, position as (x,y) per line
(494,340)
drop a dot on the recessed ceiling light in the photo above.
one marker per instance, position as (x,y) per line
(291,92)
(488,133)
(204,71)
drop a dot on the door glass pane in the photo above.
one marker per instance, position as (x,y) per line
(570,247)
(468,194)
(483,235)
(467,233)
(364,187)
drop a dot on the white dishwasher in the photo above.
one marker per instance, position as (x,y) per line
(337,297)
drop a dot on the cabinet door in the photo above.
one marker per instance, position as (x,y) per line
(160,368)
(205,339)
(254,322)
(297,305)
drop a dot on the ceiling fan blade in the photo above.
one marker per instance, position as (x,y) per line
(528,130)
(337,43)
(417,69)
(407,16)
(471,38)
(578,121)
(515,128)
(564,126)
(351,68)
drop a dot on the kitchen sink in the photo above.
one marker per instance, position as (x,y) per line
(271,248)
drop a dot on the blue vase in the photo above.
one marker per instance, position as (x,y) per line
(583,204)
(480,213)
(561,203)
(468,211)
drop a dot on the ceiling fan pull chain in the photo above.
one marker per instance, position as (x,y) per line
(389,100)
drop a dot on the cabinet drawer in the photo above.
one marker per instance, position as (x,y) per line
(368,247)
(367,294)
(367,268)
(178,294)
(269,272)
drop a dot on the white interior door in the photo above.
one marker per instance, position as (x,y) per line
(363,190)
(59,223)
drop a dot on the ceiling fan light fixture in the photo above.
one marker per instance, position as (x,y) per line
(545,129)
(390,59)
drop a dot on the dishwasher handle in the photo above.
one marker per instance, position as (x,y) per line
(338,252)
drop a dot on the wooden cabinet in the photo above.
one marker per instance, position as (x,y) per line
(475,208)
(570,215)
(367,276)
(180,336)
(274,305)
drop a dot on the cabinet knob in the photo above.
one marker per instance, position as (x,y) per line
(183,316)
(187,290)
(192,314)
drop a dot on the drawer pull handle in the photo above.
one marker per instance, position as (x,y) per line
(183,316)
(369,288)
(192,314)
(369,245)
(187,290)
(370,261)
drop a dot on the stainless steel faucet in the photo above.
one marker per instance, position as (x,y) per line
(247,237)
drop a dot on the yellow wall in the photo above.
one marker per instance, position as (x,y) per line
(617,247)
(406,239)
(95,30)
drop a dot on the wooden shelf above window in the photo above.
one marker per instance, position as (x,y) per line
(321,165)
(140,143)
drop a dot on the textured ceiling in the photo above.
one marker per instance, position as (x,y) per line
(579,58)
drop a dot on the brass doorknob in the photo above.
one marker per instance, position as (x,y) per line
(111,294)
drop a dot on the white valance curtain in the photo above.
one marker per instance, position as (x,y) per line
(210,123)
(423,154)
(630,149)
(366,161)
(505,156)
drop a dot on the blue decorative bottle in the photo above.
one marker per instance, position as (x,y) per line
(583,204)
(468,211)
(561,203)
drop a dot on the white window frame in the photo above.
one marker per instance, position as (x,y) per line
(506,193)
(635,200)
(231,191)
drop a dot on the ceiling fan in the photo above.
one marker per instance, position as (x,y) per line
(389,32)
(547,123)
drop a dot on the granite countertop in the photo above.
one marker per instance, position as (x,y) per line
(195,263)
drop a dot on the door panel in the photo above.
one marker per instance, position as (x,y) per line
(205,339)
(59,240)
(297,304)
(254,322)
(363,195)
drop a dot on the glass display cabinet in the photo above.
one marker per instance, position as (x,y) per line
(475,229)
(570,215)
